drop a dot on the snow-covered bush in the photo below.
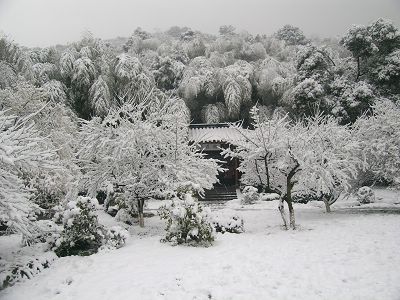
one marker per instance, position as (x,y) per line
(228,222)
(24,267)
(269,196)
(365,195)
(124,216)
(47,190)
(82,233)
(304,196)
(250,195)
(120,206)
(114,238)
(187,222)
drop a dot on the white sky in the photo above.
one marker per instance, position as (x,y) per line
(48,22)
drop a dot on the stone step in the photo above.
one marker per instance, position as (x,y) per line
(220,193)
(219,198)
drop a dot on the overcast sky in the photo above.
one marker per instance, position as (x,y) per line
(48,22)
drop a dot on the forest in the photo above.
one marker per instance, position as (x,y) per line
(106,121)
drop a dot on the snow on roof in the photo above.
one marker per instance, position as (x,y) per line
(212,133)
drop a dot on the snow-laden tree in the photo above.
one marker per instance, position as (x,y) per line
(22,151)
(226,30)
(272,79)
(214,113)
(130,76)
(144,149)
(16,57)
(307,97)
(195,48)
(53,121)
(198,78)
(100,97)
(258,149)
(371,46)
(175,50)
(52,118)
(252,52)
(80,67)
(127,67)
(83,72)
(316,62)
(199,85)
(316,155)
(379,135)
(291,35)
(358,41)
(387,74)
(167,73)
(8,77)
(236,86)
(44,72)
(67,60)
(316,71)
(385,35)
(55,91)
(328,158)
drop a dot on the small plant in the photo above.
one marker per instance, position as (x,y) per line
(124,216)
(365,195)
(269,196)
(187,222)
(250,195)
(114,238)
(82,234)
(231,223)
(24,267)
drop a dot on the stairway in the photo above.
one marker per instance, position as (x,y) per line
(220,193)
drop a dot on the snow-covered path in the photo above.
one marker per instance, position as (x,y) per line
(336,256)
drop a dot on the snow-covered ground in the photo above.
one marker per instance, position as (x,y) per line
(352,253)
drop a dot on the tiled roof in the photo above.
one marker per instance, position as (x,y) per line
(208,133)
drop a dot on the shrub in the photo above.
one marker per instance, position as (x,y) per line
(231,223)
(82,234)
(305,196)
(119,200)
(269,196)
(187,222)
(114,238)
(365,195)
(124,216)
(24,267)
(250,195)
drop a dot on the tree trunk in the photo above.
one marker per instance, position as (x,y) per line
(327,205)
(267,171)
(289,186)
(291,213)
(282,211)
(358,69)
(140,203)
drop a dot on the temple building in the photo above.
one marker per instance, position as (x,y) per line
(213,138)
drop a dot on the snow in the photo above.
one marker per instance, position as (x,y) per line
(214,133)
(348,254)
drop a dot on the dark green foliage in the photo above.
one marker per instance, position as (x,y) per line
(231,224)
(25,268)
(187,222)
(82,234)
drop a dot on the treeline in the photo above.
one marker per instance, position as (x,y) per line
(220,77)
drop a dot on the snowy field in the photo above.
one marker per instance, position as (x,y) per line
(352,253)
